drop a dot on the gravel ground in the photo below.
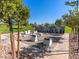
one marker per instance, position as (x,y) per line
(6,48)
(4,52)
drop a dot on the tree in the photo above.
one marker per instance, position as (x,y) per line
(73,4)
(47,27)
(71,19)
(7,10)
(59,22)
(22,14)
(11,9)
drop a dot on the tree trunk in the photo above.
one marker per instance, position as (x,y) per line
(12,39)
(26,23)
(18,46)
(78,39)
(72,31)
(0,42)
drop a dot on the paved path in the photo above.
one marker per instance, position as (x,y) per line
(60,50)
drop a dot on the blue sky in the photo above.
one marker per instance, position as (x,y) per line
(43,11)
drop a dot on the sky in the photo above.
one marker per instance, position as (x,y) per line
(46,11)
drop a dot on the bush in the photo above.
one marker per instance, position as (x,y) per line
(5,29)
(67,29)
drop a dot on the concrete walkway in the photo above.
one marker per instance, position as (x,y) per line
(60,50)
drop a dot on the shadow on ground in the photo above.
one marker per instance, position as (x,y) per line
(37,51)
